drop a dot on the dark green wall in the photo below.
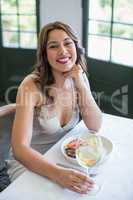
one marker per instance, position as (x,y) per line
(15,64)
(108,79)
(112,81)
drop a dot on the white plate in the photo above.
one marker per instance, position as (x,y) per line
(107,144)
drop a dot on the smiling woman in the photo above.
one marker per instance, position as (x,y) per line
(61,51)
(50,102)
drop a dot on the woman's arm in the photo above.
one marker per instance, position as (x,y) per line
(90,112)
(27,99)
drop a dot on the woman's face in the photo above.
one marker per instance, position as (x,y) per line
(61,51)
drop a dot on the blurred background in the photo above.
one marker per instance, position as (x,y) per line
(105,29)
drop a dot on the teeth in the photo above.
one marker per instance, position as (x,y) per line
(63,59)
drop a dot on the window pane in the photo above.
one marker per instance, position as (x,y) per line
(123,31)
(9,22)
(99,28)
(8,6)
(27,6)
(10,39)
(123,11)
(122,51)
(17,18)
(99,47)
(28,40)
(27,23)
(100,9)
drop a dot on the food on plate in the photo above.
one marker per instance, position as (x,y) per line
(70,148)
(70,145)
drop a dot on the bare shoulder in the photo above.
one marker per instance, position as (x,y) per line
(29,89)
(86,80)
(28,83)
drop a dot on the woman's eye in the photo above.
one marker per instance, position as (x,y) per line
(68,43)
(53,46)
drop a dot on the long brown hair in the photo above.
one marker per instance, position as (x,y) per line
(42,70)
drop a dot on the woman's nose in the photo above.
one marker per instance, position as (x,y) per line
(62,49)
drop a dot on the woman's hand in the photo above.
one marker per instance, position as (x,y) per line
(74,180)
(76,73)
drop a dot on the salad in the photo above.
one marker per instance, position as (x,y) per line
(70,148)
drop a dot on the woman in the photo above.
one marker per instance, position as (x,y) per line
(43,115)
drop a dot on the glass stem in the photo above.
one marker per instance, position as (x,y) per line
(87,170)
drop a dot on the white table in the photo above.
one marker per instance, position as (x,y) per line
(116,176)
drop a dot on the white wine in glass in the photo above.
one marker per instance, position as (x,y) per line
(89,153)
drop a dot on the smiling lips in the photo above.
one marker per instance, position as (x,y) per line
(63,60)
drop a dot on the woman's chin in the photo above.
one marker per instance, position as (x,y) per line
(64,68)
(67,68)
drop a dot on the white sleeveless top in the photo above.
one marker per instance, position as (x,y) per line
(46,132)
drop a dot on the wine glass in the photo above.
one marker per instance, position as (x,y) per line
(89,153)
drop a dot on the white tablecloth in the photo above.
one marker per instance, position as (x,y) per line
(116,175)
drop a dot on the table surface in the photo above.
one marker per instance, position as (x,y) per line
(116,174)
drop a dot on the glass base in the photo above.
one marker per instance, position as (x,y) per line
(94,191)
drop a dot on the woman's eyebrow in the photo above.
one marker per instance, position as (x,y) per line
(52,42)
(55,42)
(68,38)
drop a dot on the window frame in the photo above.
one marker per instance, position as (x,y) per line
(37,15)
(85,32)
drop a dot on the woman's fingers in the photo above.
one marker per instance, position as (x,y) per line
(82,183)
(83,177)
(74,71)
(83,189)
(77,189)
(75,180)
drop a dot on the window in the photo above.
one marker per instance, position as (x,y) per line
(110,30)
(18,23)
